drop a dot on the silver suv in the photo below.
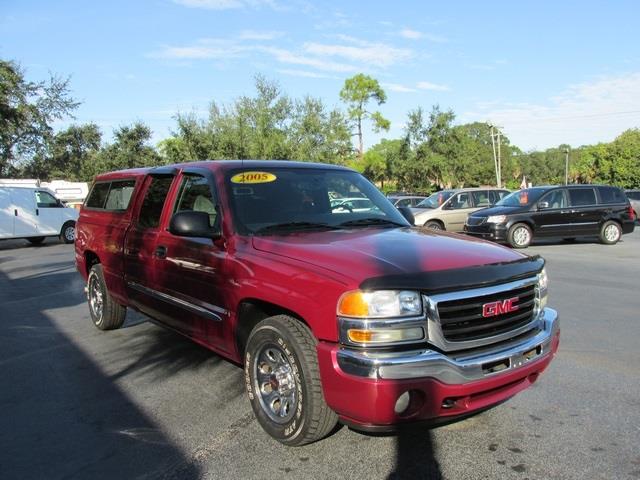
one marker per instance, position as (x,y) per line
(448,209)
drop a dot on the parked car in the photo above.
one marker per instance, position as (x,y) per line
(448,209)
(34,214)
(406,200)
(634,198)
(335,316)
(357,204)
(556,211)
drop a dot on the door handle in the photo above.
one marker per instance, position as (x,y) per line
(161,251)
(15,212)
(37,212)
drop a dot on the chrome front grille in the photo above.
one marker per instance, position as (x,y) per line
(463,319)
(456,320)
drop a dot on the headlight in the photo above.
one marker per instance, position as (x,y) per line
(381,318)
(380,304)
(543,283)
(497,219)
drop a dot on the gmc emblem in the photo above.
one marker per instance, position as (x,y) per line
(498,308)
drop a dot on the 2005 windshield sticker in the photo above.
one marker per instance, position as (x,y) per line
(253,177)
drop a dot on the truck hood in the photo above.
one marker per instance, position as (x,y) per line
(396,253)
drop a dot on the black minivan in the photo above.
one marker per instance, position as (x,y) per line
(567,211)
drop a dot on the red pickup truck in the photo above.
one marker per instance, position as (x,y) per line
(335,314)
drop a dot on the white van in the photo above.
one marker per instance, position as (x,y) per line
(34,213)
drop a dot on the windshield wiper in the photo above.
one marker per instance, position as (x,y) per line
(365,222)
(294,226)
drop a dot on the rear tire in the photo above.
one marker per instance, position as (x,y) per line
(283,382)
(520,236)
(105,312)
(68,232)
(434,225)
(35,240)
(610,233)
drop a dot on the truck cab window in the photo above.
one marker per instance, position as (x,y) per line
(153,203)
(195,195)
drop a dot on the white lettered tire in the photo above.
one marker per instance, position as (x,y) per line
(283,382)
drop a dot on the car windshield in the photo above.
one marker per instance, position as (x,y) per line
(435,200)
(289,199)
(522,198)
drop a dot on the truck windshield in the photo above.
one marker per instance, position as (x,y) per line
(522,198)
(435,200)
(283,200)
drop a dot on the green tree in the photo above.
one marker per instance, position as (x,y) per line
(130,149)
(27,110)
(67,152)
(357,92)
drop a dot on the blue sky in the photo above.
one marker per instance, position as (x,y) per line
(547,72)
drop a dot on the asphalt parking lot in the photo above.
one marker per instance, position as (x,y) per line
(142,402)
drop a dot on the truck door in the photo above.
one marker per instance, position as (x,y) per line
(6,214)
(25,212)
(49,213)
(191,272)
(143,256)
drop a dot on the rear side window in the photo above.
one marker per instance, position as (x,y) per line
(154,202)
(611,195)
(120,195)
(481,198)
(582,196)
(98,195)
(634,195)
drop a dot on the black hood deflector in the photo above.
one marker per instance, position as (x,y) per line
(439,281)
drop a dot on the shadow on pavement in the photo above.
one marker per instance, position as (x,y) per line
(415,455)
(60,415)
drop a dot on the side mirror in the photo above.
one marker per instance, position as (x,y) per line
(543,205)
(189,223)
(407,214)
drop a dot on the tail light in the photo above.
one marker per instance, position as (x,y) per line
(632,214)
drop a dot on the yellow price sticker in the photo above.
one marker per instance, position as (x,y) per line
(253,177)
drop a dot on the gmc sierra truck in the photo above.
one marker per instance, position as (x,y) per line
(336,314)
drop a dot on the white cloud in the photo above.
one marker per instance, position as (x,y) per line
(396,87)
(371,54)
(432,37)
(258,35)
(211,4)
(303,73)
(285,56)
(411,34)
(225,4)
(204,49)
(432,86)
(585,113)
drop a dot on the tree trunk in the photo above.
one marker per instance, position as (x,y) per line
(360,145)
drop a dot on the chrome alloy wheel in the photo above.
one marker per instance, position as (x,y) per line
(70,234)
(522,236)
(612,233)
(275,384)
(96,297)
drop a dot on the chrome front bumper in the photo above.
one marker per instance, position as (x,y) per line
(454,368)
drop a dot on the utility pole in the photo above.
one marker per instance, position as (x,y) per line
(495,134)
(566,166)
(499,162)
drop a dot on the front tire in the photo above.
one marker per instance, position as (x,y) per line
(283,382)
(68,232)
(610,233)
(520,236)
(434,225)
(105,312)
